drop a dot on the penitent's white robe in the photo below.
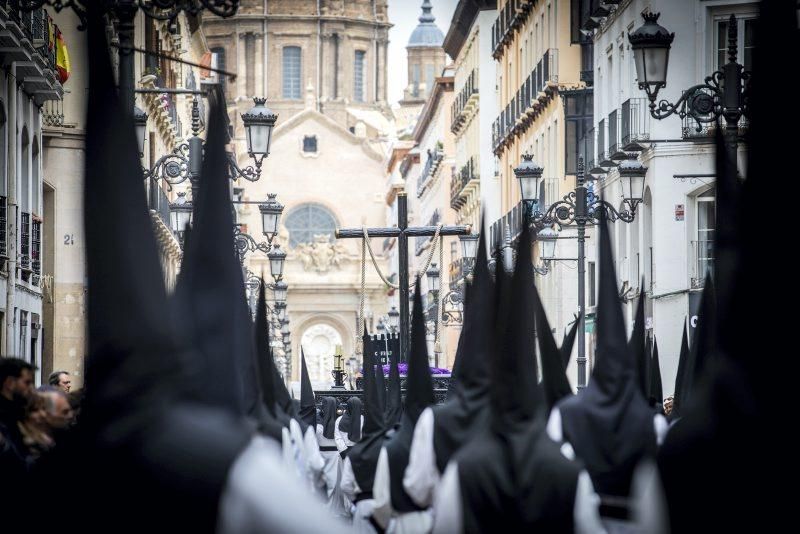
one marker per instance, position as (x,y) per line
(330,455)
(261,495)
(361,510)
(419,522)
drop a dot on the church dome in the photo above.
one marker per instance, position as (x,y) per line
(427,33)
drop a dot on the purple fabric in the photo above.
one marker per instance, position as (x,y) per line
(403,367)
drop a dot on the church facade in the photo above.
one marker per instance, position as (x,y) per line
(322,67)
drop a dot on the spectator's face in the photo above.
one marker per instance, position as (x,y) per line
(37,414)
(64,382)
(62,413)
(22,386)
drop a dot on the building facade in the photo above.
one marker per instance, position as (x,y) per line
(669,246)
(322,67)
(29,79)
(63,135)
(538,75)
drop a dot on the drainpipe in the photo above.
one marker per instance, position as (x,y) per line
(11,214)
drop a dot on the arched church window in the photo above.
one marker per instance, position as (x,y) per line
(307,221)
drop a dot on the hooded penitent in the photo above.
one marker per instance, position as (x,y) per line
(512,474)
(308,405)
(328,420)
(466,410)
(419,395)
(683,364)
(350,423)
(655,390)
(639,347)
(394,401)
(736,436)
(143,453)
(364,454)
(554,376)
(610,424)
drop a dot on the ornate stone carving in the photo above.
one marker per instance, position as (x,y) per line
(321,255)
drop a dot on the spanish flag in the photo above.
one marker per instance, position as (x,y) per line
(62,57)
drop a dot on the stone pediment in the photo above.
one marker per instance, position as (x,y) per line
(301,118)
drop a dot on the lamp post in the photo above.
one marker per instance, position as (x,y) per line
(578,208)
(453,301)
(723,93)
(338,369)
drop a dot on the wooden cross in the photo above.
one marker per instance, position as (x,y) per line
(402,232)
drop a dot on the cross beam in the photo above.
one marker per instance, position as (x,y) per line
(402,232)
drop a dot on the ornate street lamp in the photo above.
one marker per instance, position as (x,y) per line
(547,238)
(181,214)
(394,319)
(632,174)
(285,333)
(277,258)
(271,211)
(722,94)
(258,124)
(433,278)
(650,44)
(529,174)
(469,246)
(280,290)
(280,310)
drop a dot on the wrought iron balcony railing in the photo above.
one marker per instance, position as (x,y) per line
(459,107)
(3,227)
(431,164)
(634,124)
(528,102)
(460,180)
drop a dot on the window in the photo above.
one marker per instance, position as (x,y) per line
(745,27)
(35,185)
(706,209)
(308,221)
(358,76)
(291,72)
(415,74)
(578,120)
(592,284)
(219,52)
(310,143)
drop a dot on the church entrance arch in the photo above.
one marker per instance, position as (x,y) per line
(319,341)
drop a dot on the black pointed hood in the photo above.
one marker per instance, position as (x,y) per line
(265,361)
(518,463)
(419,386)
(655,390)
(132,422)
(569,341)
(215,296)
(475,342)
(515,393)
(554,377)
(308,405)
(610,424)
(466,411)
(328,421)
(364,454)
(123,366)
(394,400)
(683,365)
(638,346)
(703,347)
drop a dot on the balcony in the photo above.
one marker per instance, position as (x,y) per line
(431,165)
(530,100)
(634,124)
(36,252)
(511,17)
(701,262)
(465,103)
(421,242)
(27,40)
(158,202)
(25,246)
(513,220)
(466,177)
